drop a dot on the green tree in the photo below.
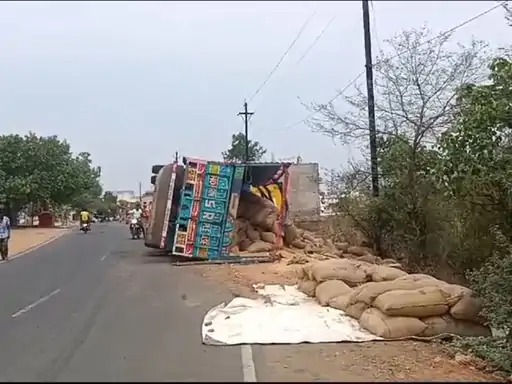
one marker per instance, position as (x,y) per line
(42,170)
(237,150)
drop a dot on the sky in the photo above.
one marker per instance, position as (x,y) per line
(132,82)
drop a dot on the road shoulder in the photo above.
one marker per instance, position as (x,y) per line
(25,240)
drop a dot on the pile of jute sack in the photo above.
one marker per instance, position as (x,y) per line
(392,304)
(258,230)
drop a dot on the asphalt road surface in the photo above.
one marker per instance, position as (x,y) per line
(95,307)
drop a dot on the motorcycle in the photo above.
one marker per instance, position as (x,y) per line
(86,227)
(135,228)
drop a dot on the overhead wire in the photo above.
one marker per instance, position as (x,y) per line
(340,93)
(302,28)
(318,37)
(307,51)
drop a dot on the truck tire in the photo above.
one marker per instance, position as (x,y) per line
(156,168)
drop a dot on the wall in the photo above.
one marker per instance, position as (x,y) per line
(304,190)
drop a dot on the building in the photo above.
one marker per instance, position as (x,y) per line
(126,195)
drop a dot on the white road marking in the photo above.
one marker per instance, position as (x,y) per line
(104,256)
(248,370)
(29,307)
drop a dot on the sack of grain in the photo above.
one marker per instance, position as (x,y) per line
(455,292)
(467,308)
(308,269)
(299,244)
(260,216)
(268,237)
(329,244)
(368,292)
(368,258)
(330,289)
(358,251)
(290,233)
(260,246)
(309,237)
(423,302)
(417,277)
(339,302)
(437,325)
(244,244)
(269,222)
(252,233)
(390,327)
(384,273)
(356,310)
(346,270)
(307,287)
(342,246)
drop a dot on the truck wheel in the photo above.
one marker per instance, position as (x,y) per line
(156,168)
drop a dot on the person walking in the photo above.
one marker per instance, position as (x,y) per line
(5,234)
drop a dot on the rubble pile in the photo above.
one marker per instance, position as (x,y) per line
(390,303)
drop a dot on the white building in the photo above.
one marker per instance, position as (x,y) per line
(126,195)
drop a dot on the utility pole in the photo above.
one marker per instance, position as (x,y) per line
(246,116)
(140,191)
(371,113)
(176,156)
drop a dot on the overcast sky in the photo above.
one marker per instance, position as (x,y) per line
(131,82)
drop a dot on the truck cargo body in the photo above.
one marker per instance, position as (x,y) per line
(206,196)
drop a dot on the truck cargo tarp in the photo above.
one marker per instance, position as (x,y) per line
(282,316)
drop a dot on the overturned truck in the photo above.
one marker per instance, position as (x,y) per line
(218,211)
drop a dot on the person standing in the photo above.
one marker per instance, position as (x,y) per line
(5,234)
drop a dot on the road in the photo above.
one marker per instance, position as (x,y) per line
(95,307)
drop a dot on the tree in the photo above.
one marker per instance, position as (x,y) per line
(237,151)
(415,101)
(42,170)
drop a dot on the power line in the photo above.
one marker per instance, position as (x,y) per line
(284,55)
(394,57)
(306,52)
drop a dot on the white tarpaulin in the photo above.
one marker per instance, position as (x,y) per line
(282,316)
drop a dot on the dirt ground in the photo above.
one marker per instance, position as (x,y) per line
(26,238)
(375,361)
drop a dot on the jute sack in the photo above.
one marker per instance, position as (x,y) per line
(455,292)
(259,246)
(467,308)
(308,269)
(260,216)
(307,287)
(356,310)
(350,272)
(268,237)
(290,233)
(339,302)
(342,246)
(437,325)
(368,292)
(384,273)
(252,233)
(358,251)
(417,277)
(329,289)
(423,302)
(390,327)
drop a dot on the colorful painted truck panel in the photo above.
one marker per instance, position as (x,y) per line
(203,210)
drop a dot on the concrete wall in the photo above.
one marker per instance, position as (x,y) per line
(304,192)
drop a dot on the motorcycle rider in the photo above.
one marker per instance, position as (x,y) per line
(137,214)
(85,218)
